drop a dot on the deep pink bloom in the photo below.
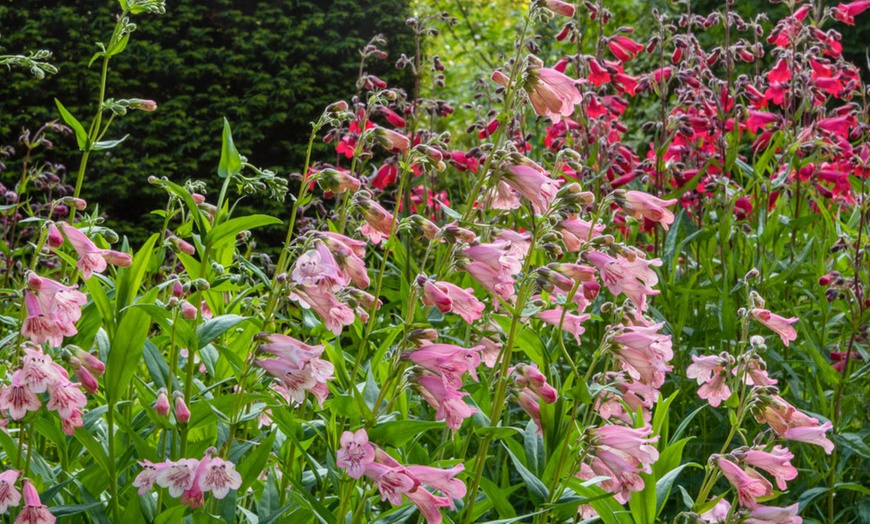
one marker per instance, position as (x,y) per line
(9,496)
(34,512)
(759,119)
(776,462)
(780,325)
(447,401)
(91,258)
(55,239)
(182,413)
(624,48)
(812,435)
(161,406)
(529,376)
(749,483)
(391,140)
(780,72)
(528,400)
(449,297)
(560,8)
(846,12)
(355,453)
(598,74)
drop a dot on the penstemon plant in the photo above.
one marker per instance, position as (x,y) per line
(499,327)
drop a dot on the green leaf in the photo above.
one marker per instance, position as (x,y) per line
(216,327)
(227,231)
(108,144)
(398,432)
(81,135)
(231,161)
(254,461)
(126,349)
(664,484)
(498,496)
(536,488)
(131,277)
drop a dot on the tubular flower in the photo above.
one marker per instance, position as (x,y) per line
(91,258)
(780,325)
(552,93)
(711,373)
(639,204)
(449,297)
(447,402)
(355,453)
(634,278)
(9,496)
(776,462)
(749,483)
(449,361)
(334,314)
(34,511)
(534,184)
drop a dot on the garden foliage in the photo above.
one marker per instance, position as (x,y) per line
(534,322)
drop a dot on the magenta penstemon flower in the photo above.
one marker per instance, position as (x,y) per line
(447,401)
(9,496)
(449,361)
(355,453)
(449,297)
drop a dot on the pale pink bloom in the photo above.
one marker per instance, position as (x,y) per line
(503,197)
(776,462)
(40,372)
(718,513)
(496,255)
(623,470)
(334,314)
(337,180)
(464,303)
(449,361)
(647,338)
(61,303)
(188,310)
(519,242)
(178,477)
(315,265)
(755,374)
(749,483)
(703,368)
(428,504)
(552,93)
(576,272)
(393,482)
(40,327)
(391,140)
(66,398)
(18,398)
(444,480)
(594,467)
(194,496)
(91,258)
(447,402)
(220,477)
(148,476)
(812,435)
(634,443)
(780,325)
(634,394)
(9,496)
(572,323)
(69,425)
(529,376)
(490,351)
(639,204)
(716,390)
(781,415)
(533,184)
(634,278)
(337,242)
(289,349)
(494,281)
(355,453)
(34,512)
(576,231)
(644,353)
(763,514)
(311,377)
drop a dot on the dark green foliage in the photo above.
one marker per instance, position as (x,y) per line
(269,67)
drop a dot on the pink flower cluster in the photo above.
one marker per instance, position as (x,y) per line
(298,367)
(190,479)
(394,480)
(441,381)
(621,454)
(39,374)
(52,310)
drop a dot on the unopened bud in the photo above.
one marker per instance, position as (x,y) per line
(188,311)
(182,414)
(162,404)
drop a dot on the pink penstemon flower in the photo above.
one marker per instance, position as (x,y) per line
(355,453)
(91,258)
(9,496)
(34,511)
(575,231)
(772,514)
(316,265)
(61,303)
(449,297)
(18,398)
(447,401)
(780,325)
(219,477)
(776,462)
(40,327)
(67,399)
(334,314)
(449,361)
(640,204)
(635,277)
(534,184)
(711,373)
(570,322)
(749,483)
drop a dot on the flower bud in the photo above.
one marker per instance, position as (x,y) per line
(55,239)
(182,414)
(188,311)
(421,337)
(92,363)
(162,404)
